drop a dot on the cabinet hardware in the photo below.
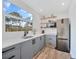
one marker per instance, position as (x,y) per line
(62,39)
(33,41)
(8,50)
(40,38)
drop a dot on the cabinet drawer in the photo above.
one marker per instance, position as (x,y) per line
(15,54)
(12,52)
(3,56)
(10,48)
(63,45)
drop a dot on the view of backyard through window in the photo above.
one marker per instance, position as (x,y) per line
(16,19)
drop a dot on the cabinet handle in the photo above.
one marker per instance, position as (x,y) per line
(11,57)
(40,38)
(33,41)
(8,50)
(49,38)
(62,39)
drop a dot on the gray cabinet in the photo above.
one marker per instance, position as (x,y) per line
(39,44)
(3,56)
(26,50)
(12,52)
(51,39)
(42,42)
(36,45)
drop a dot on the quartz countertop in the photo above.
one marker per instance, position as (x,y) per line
(10,42)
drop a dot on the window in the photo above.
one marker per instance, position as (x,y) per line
(16,19)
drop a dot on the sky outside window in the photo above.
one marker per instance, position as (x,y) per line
(9,7)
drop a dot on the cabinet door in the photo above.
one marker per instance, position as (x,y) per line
(36,46)
(26,50)
(3,56)
(39,44)
(42,42)
(12,52)
(51,39)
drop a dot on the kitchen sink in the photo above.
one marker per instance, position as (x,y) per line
(26,37)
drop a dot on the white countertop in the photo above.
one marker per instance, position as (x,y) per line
(10,42)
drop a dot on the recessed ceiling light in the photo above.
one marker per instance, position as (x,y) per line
(62,3)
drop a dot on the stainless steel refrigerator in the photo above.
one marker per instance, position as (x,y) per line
(63,35)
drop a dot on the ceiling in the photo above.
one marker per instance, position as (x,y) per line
(47,7)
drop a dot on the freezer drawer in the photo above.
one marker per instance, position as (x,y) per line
(62,45)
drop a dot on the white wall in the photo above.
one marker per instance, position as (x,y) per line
(72,16)
(36,23)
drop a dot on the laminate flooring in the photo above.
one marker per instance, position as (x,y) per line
(50,53)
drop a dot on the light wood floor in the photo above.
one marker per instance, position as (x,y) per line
(50,53)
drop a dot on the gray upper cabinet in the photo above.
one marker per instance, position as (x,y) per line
(26,50)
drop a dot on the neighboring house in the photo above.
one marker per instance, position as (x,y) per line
(15,22)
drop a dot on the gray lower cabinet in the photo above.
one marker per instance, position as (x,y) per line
(26,50)
(12,52)
(36,45)
(39,44)
(51,39)
(42,42)
(3,56)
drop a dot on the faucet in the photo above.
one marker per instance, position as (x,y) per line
(25,33)
(26,26)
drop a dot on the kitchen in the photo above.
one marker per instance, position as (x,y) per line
(43,28)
